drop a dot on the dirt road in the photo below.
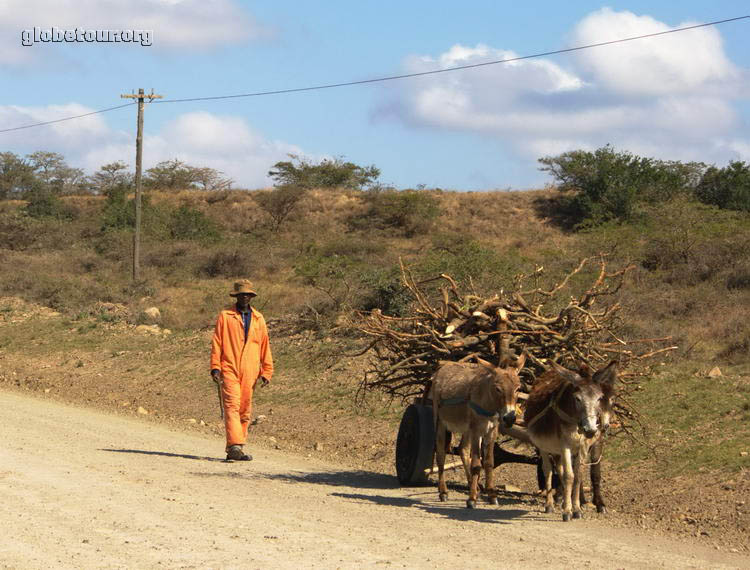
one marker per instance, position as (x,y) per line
(82,489)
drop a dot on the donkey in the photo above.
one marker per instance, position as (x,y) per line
(563,416)
(470,399)
(606,377)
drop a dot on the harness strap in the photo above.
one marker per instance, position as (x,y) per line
(476,407)
(481,411)
(452,401)
(552,405)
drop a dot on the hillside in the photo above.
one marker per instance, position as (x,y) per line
(68,314)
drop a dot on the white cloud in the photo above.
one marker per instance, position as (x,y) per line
(665,65)
(176,24)
(226,143)
(669,97)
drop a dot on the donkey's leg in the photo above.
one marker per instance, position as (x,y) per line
(549,504)
(596,475)
(488,462)
(440,432)
(557,479)
(567,462)
(577,483)
(476,467)
(463,453)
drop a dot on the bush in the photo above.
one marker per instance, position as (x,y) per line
(385,291)
(42,203)
(119,212)
(335,173)
(463,258)
(234,263)
(411,212)
(727,188)
(19,232)
(190,223)
(608,185)
(279,203)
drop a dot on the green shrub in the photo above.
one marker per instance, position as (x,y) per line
(411,212)
(384,291)
(187,222)
(608,185)
(43,203)
(727,188)
(119,212)
(463,258)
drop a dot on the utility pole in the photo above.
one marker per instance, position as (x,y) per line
(138,161)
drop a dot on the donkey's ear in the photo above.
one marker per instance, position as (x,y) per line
(607,376)
(486,364)
(565,374)
(520,361)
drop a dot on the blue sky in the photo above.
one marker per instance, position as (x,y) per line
(684,96)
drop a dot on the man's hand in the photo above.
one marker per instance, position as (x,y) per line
(264,381)
(216,376)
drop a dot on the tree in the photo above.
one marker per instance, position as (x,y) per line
(211,179)
(727,187)
(111,176)
(55,174)
(177,175)
(16,175)
(327,173)
(169,175)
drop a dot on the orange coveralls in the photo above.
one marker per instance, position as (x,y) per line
(241,361)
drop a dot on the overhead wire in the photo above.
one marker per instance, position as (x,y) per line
(392,77)
(450,69)
(67,118)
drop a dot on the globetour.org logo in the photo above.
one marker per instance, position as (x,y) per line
(81,35)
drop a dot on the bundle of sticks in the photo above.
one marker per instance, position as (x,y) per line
(547,323)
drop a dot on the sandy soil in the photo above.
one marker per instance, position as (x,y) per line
(85,489)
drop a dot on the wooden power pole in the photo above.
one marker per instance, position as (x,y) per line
(138,162)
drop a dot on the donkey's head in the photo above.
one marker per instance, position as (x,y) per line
(591,396)
(606,378)
(505,385)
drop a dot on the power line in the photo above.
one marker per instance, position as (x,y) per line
(66,118)
(449,69)
(394,77)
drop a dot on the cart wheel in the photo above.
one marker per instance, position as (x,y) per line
(415,445)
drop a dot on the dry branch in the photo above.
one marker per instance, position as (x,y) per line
(446,324)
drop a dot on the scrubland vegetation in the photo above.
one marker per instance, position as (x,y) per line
(327,238)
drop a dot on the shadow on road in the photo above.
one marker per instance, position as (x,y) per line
(456,511)
(165,454)
(359,479)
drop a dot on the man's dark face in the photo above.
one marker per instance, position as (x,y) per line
(243,300)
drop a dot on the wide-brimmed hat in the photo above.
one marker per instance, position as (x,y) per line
(243,286)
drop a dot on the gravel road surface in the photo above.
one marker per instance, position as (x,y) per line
(84,489)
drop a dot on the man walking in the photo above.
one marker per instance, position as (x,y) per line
(240,356)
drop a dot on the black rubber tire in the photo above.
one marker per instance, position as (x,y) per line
(415,445)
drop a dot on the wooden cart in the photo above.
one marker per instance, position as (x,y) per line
(415,445)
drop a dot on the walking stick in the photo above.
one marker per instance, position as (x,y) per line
(221,399)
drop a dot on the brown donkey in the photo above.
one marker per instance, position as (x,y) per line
(564,416)
(471,399)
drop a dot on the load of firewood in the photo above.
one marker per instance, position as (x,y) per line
(547,323)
